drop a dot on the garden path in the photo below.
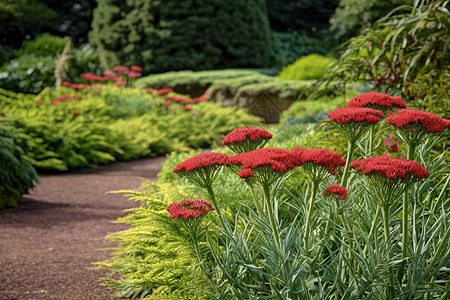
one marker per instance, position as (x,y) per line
(48,244)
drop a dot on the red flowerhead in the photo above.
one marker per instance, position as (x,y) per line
(189,209)
(246,139)
(336,190)
(378,101)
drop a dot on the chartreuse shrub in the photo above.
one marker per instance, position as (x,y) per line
(72,129)
(194,35)
(314,224)
(312,66)
(17,175)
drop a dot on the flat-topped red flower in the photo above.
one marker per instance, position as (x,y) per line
(413,119)
(318,163)
(336,191)
(380,101)
(386,175)
(266,164)
(189,209)
(354,122)
(202,168)
(246,139)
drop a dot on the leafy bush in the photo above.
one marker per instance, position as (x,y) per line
(34,68)
(405,53)
(71,130)
(17,175)
(286,47)
(167,36)
(312,66)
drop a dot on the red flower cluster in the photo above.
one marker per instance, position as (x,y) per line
(185,100)
(356,114)
(77,112)
(242,134)
(245,173)
(77,86)
(189,209)
(111,75)
(133,74)
(321,157)
(120,83)
(122,69)
(279,160)
(390,167)
(90,76)
(336,190)
(163,91)
(62,98)
(413,117)
(202,160)
(136,68)
(376,101)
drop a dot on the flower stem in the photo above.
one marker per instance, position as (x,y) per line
(200,261)
(219,211)
(308,215)
(386,224)
(271,217)
(351,147)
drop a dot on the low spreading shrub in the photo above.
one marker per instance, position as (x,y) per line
(309,223)
(311,66)
(84,126)
(17,175)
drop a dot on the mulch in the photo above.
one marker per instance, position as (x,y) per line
(48,244)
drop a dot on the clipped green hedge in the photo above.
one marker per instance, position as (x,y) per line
(107,123)
(17,175)
(265,96)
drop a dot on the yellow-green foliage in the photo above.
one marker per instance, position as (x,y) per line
(312,66)
(110,123)
(154,256)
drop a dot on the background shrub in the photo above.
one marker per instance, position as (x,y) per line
(165,36)
(311,66)
(17,175)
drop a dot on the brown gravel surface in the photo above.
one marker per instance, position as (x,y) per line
(48,244)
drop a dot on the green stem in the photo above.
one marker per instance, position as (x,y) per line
(255,200)
(219,212)
(371,134)
(308,215)
(351,147)
(200,261)
(271,217)
(386,224)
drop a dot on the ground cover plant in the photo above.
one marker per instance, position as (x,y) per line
(84,124)
(307,223)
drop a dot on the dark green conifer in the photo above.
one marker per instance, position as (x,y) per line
(176,35)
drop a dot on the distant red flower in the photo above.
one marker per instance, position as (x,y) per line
(122,69)
(164,91)
(413,119)
(189,209)
(111,75)
(133,74)
(186,107)
(136,68)
(336,190)
(77,112)
(356,114)
(90,76)
(40,101)
(166,104)
(246,139)
(378,101)
(390,167)
(120,83)
(150,91)
(245,173)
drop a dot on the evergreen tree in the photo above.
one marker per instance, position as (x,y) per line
(172,35)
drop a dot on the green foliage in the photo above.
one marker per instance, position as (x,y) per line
(166,36)
(152,258)
(17,175)
(286,47)
(310,17)
(403,54)
(34,68)
(45,45)
(352,16)
(112,123)
(312,66)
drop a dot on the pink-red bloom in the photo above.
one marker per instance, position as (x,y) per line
(202,160)
(120,83)
(122,69)
(111,75)
(377,101)
(390,167)
(356,114)
(336,190)
(136,68)
(164,91)
(77,112)
(417,119)
(189,209)
(320,157)
(133,74)
(246,139)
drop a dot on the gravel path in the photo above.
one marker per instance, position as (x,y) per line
(48,244)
